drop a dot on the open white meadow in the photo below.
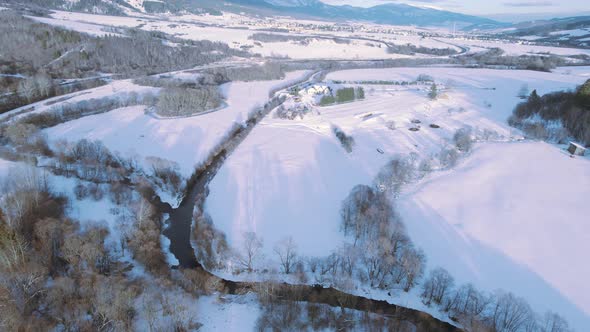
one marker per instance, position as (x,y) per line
(490,222)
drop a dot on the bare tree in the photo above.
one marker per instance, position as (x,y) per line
(437,287)
(463,140)
(151,310)
(12,248)
(553,322)
(22,191)
(398,171)
(144,241)
(448,157)
(252,247)
(467,303)
(286,250)
(510,313)
(412,263)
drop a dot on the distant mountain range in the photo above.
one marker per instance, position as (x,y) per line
(395,14)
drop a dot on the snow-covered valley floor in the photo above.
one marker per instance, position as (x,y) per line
(290,176)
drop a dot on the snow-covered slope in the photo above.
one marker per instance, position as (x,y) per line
(512,216)
(289,177)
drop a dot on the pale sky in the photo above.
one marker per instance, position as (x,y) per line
(487,7)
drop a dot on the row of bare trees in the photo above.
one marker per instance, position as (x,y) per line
(277,314)
(477,311)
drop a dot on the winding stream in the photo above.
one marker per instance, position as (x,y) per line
(180,219)
(180,228)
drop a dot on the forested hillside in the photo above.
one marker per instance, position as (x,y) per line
(36,58)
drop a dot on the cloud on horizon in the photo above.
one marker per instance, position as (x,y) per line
(483,7)
(529,4)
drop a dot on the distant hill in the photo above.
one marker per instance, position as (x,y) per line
(569,31)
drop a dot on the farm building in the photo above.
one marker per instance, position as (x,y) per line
(576,149)
(313,90)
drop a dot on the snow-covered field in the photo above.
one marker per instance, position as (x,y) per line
(191,27)
(512,216)
(512,48)
(236,31)
(115,89)
(89,28)
(186,141)
(289,177)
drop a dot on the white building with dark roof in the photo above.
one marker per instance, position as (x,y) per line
(576,149)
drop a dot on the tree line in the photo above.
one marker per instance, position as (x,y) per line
(409,49)
(555,116)
(496,57)
(343,95)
